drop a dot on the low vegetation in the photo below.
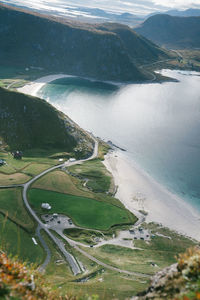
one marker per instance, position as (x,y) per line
(84,236)
(19,281)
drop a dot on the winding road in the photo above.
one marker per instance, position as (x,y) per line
(59,243)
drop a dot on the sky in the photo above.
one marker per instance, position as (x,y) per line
(139,7)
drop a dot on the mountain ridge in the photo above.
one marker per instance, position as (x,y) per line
(172,32)
(60,45)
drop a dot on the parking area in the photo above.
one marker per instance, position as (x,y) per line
(55,221)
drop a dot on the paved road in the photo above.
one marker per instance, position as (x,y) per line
(71,260)
(46,248)
(151,64)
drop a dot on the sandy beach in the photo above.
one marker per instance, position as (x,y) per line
(33,87)
(138,191)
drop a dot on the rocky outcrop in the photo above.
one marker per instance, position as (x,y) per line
(179,281)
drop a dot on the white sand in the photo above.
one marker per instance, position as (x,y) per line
(33,87)
(138,191)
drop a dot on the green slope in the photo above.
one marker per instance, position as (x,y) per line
(57,45)
(139,48)
(27,122)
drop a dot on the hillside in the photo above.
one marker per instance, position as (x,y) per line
(172,32)
(180,281)
(57,45)
(139,48)
(27,122)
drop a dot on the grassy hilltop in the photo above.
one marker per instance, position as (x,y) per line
(31,123)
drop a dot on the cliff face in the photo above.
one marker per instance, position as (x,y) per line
(29,39)
(179,281)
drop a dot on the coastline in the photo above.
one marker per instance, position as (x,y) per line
(136,189)
(140,192)
(33,87)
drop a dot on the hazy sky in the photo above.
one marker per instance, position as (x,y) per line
(132,6)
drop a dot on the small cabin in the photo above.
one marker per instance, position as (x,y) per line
(17,154)
(2,162)
(71,159)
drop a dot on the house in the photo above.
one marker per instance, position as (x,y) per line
(17,154)
(46,206)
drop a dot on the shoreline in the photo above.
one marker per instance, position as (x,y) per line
(33,87)
(138,191)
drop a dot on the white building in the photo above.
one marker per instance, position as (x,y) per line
(71,159)
(46,206)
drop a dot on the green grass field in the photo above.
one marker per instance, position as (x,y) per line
(59,181)
(32,162)
(98,178)
(36,168)
(85,212)
(16,241)
(11,204)
(16,178)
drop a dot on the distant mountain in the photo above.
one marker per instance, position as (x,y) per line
(191,12)
(81,13)
(29,39)
(172,32)
(139,48)
(28,122)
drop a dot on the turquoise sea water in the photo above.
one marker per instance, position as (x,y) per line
(158,124)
